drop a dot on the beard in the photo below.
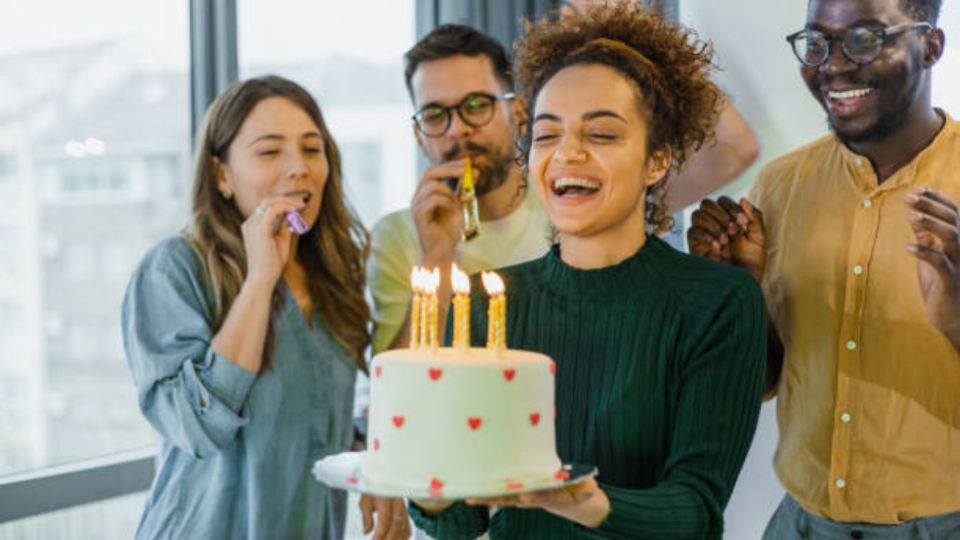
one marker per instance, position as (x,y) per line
(494,168)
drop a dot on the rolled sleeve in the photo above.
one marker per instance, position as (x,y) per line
(226,381)
(192,396)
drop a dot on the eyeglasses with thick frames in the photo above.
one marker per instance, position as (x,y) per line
(860,44)
(475,110)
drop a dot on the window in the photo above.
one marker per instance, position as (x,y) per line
(95,110)
(8,167)
(352,64)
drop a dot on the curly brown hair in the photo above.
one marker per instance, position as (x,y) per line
(668,63)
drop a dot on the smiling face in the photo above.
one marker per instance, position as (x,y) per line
(588,156)
(278,150)
(448,81)
(866,102)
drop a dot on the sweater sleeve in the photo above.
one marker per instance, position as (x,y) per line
(720,371)
(459,521)
(190,394)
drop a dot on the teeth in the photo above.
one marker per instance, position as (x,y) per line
(569,182)
(847,94)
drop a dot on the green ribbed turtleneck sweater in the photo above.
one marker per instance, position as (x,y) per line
(660,369)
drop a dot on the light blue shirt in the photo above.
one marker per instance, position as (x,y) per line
(237,447)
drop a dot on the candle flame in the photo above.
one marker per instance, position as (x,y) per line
(461,282)
(493,283)
(431,280)
(416,279)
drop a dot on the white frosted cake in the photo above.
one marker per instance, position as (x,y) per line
(453,422)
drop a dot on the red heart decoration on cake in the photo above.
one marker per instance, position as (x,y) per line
(352,480)
(376,444)
(435,373)
(562,475)
(378,371)
(509,374)
(398,421)
(435,487)
(553,367)
(514,485)
(474,423)
(535,418)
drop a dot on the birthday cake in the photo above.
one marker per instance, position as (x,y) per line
(476,420)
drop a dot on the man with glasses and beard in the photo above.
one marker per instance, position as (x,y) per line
(461,85)
(857,250)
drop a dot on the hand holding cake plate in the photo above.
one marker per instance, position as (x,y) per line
(344,471)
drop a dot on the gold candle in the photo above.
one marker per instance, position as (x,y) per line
(496,312)
(434,307)
(502,322)
(415,308)
(461,308)
(424,308)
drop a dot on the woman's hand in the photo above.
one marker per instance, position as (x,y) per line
(266,240)
(392,520)
(584,503)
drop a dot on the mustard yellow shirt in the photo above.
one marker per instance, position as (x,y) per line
(868,404)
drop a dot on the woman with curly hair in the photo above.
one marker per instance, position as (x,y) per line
(659,354)
(244,337)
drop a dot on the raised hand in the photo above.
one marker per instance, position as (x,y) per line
(728,232)
(935,221)
(391,517)
(438,213)
(266,241)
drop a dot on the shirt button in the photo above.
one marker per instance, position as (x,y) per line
(845,418)
(851,345)
(840,484)
(858,270)
(867,203)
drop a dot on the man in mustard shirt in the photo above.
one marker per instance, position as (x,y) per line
(855,240)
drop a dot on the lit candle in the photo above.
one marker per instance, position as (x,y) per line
(415,308)
(461,308)
(432,286)
(424,307)
(496,312)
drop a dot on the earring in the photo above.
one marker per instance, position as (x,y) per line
(227,194)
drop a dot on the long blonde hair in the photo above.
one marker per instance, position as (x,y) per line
(333,252)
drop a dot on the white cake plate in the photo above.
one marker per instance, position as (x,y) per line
(342,471)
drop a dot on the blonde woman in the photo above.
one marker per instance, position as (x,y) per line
(244,338)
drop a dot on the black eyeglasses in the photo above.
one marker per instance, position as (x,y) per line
(860,44)
(475,110)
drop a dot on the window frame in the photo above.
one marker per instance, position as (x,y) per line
(213,67)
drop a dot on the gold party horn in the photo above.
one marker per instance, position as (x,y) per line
(468,198)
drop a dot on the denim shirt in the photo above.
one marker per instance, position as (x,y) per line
(237,447)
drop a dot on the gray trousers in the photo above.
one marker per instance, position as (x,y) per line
(791,522)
